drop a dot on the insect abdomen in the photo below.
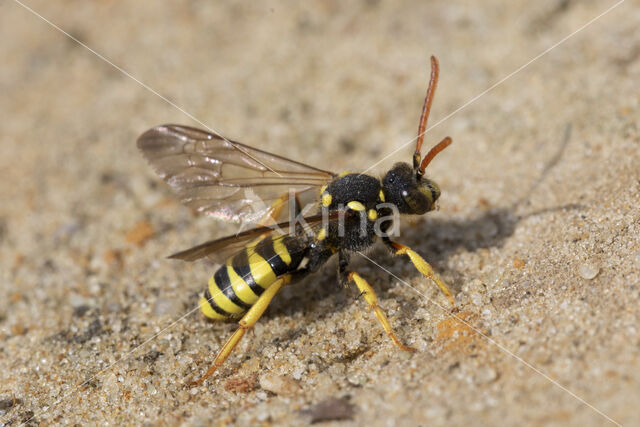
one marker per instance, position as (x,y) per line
(238,284)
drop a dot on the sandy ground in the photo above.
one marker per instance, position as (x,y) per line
(537,232)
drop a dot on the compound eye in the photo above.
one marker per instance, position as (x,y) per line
(431,190)
(417,201)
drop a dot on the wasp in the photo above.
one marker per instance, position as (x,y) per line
(224,178)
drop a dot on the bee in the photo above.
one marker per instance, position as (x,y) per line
(349,211)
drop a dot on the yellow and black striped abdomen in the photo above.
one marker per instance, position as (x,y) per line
(237,284)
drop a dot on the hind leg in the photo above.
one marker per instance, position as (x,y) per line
(248,320)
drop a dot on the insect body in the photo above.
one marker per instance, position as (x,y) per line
(239,283)
(235,182)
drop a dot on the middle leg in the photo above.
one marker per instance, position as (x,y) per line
(273,213)
(370,297)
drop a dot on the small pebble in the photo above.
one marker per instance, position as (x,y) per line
(588,271)
(81,310)
(357,379)
(113,307)
(262,416)
(252,365)
(476,298)
(281,385)
(297,374)
(151,356)
(333,409)
(485,375)
(76,301)
(6,404)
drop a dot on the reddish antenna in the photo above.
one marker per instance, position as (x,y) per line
(418,166)
(432,153)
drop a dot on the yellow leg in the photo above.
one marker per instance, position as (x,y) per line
(423,267)
(372,299)
(248,320)
(276,208)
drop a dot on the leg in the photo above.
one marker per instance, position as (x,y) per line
(276,208)
(343,263)
(247,321)
(371,298)
(422,266)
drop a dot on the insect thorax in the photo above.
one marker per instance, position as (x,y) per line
(360,195)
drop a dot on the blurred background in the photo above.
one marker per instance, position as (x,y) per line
(537,231)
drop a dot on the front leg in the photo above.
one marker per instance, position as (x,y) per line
(421,265)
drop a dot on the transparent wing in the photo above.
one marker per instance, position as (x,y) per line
(226,179)
(219,250)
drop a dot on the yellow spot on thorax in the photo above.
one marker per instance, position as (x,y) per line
(356,206)
(381,196)
(326,200)
(373,215)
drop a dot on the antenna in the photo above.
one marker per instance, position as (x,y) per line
(432,153)
(418,166)
(426,108)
